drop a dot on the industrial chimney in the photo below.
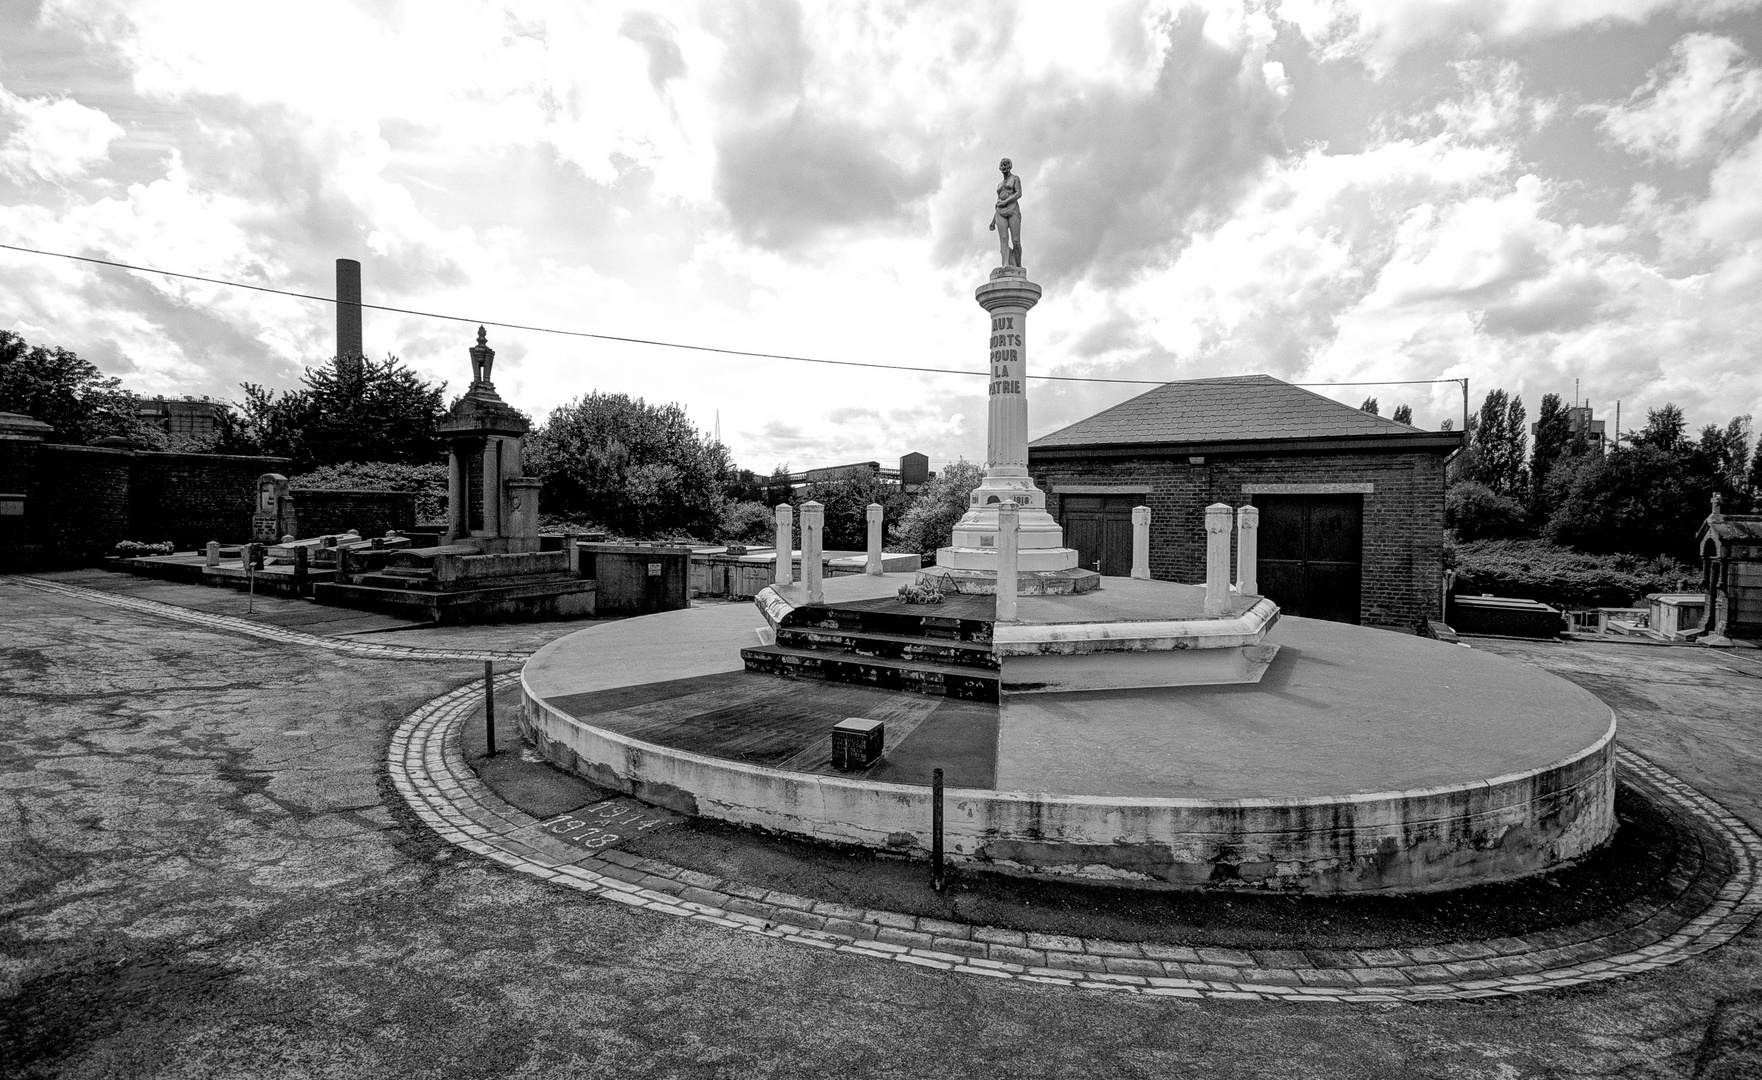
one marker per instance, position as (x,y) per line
(348,314)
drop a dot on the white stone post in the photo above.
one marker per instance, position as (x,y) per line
(813,520)
(1141,542)
(1217,558)
(785,545)
(1008,518)
(873,566)
(212,555)
(1248,551)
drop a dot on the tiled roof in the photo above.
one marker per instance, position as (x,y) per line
(1234,409)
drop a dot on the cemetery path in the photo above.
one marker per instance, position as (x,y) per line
(205,872)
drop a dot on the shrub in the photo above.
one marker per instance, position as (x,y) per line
(928,521)
(1538,570)
(429,482)
(1477,512)
(747,522)
(133,549)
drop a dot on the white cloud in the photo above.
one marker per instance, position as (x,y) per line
(1378,32)
(53,138)
(1693,107)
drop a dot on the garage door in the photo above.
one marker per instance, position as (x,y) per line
(1312,554)
(1100,528)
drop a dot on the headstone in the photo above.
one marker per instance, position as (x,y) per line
(813,517)
(269,521)
(1141,542)
(1217,558)
(873,566)
(212,556)
(1009,517)
(785,545)
(300,565)
(1248,551)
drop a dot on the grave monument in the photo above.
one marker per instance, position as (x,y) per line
(1119,729)
(491,566)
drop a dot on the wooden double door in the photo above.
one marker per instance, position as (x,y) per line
(1100,528)
(1311,557)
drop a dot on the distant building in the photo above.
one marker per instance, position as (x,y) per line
(1579,422)
(1351,504)
(913,473)
(180,416)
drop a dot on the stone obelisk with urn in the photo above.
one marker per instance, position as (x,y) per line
(1044,563)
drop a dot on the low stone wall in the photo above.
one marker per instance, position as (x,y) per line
(1404,841)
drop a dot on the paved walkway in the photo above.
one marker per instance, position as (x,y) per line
(1711,905)
(282,635)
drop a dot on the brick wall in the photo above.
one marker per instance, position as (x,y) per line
(1403,516)
(82,500)
(191,499)
(370,513)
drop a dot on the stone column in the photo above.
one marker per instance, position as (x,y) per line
(813,520)
(458,496)
(785,545)
(1217,558)
(1248,551)
(1008,518)
(1141,542)
(492,489)
(212,555)
(1007,297)
(873,566)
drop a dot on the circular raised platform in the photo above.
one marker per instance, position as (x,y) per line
(1363,760)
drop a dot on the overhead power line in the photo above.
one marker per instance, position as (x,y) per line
(636,340)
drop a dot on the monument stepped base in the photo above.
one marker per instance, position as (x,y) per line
(1028,582)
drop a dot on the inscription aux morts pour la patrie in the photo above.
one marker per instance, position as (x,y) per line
(1006,355)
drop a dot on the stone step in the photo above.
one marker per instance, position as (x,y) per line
(869,643)
(917,677)
(928,626)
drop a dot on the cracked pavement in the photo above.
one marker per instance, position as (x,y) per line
(204,873)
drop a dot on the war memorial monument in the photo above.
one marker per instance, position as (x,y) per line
(1118,729)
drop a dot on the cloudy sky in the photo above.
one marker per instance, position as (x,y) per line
(1522,192)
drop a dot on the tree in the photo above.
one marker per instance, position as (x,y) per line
(1499,439)
(1640,499)
(846,502)
(1666,429)
(1369,406)
(371,411)
(1476,512)
(69,394)
(640,470)
(927,522)
(1403,414)
(1553,440)
(1724,453)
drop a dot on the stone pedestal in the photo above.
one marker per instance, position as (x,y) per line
(1247,551)
(1217,558)
(785,545)
(872,564)
(1141,542)
(1006,298)
(813,522)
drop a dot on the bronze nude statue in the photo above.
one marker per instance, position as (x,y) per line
(1007,221)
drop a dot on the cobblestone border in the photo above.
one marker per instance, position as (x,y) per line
(281,635)
(1708,905)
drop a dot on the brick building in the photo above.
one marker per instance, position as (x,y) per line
(1351,504)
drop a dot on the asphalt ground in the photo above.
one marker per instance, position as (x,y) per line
(204,873)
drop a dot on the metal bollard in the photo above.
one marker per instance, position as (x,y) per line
(489,706)
(936,878)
